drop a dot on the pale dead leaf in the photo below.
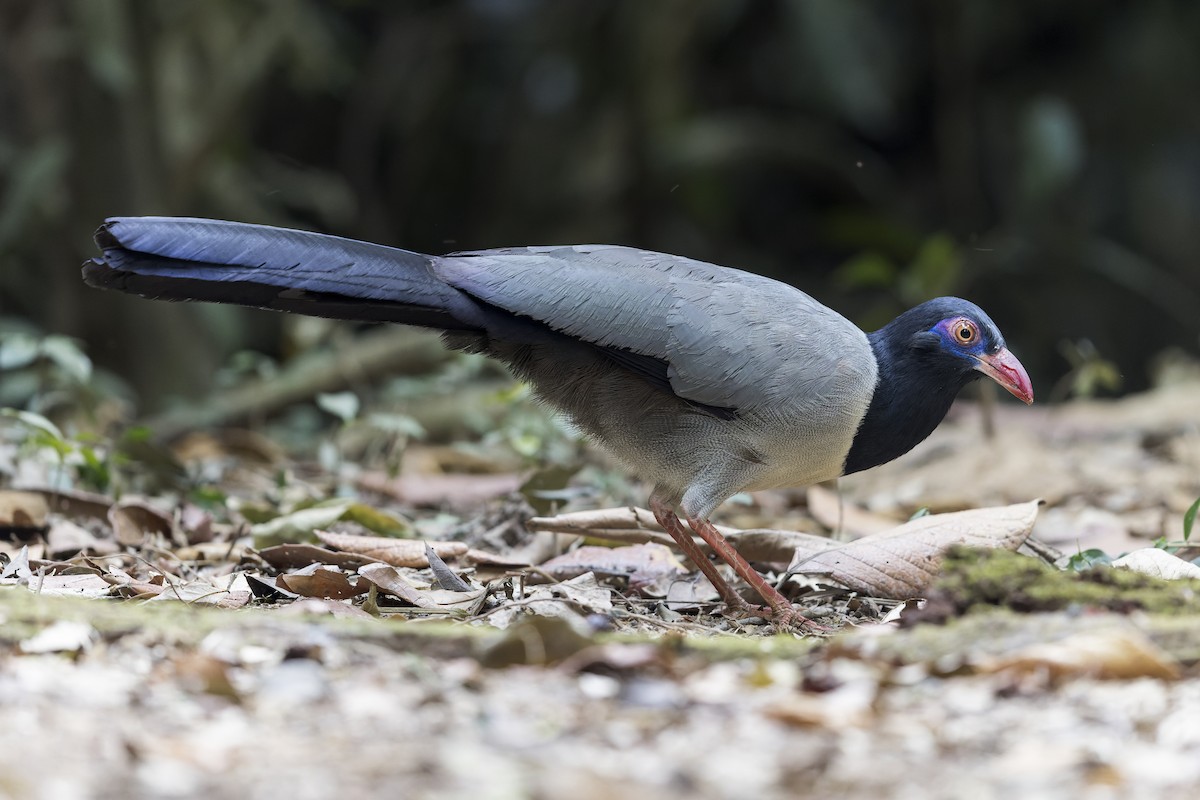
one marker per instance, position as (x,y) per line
(1119,654)
(450,600)
(569,598)
(903,562)
(397,552)
(23,510)
(1158,564)
(642,563)
(203,592)
(70,585)
(392,582)
(17,570)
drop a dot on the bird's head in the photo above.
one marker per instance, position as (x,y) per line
(956,338)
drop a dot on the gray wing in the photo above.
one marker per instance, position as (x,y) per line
(729,338)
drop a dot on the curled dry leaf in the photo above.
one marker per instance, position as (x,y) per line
(903,562)
(132,521)
(318,580)
(295,556)
(1158,564)
(397,552)
(389,581)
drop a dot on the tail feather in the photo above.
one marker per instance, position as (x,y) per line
(179,258)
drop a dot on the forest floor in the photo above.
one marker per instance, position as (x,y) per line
(159,647)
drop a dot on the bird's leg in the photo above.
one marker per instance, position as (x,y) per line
(782,611)
(665,515)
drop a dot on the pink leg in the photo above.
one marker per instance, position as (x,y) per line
(672,525)
(782,612)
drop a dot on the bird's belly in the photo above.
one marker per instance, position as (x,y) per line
(813,451)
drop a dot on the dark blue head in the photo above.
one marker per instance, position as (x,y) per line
(925,356)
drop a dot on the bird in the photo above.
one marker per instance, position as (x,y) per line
(704,381)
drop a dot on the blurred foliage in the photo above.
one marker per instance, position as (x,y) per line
(1090,373)
(1041,158)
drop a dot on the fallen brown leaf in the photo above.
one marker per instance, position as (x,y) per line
(133,520)
(903,562)
(294,556)
(76,503)
(318,580)
(397,552)
(390,581)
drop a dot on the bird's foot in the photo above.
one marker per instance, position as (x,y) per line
(791,618)
(784,616)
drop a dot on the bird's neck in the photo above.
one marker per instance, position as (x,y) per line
(911,397)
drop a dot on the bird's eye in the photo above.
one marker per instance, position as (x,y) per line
(965,331)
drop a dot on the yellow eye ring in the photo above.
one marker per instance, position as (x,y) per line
(965,331)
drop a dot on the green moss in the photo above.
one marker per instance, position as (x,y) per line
(973,578)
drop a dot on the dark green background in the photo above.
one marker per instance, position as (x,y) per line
(1040,158)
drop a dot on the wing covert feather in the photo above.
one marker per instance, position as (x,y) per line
(731,338)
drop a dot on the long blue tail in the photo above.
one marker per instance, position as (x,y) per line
(182,258)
